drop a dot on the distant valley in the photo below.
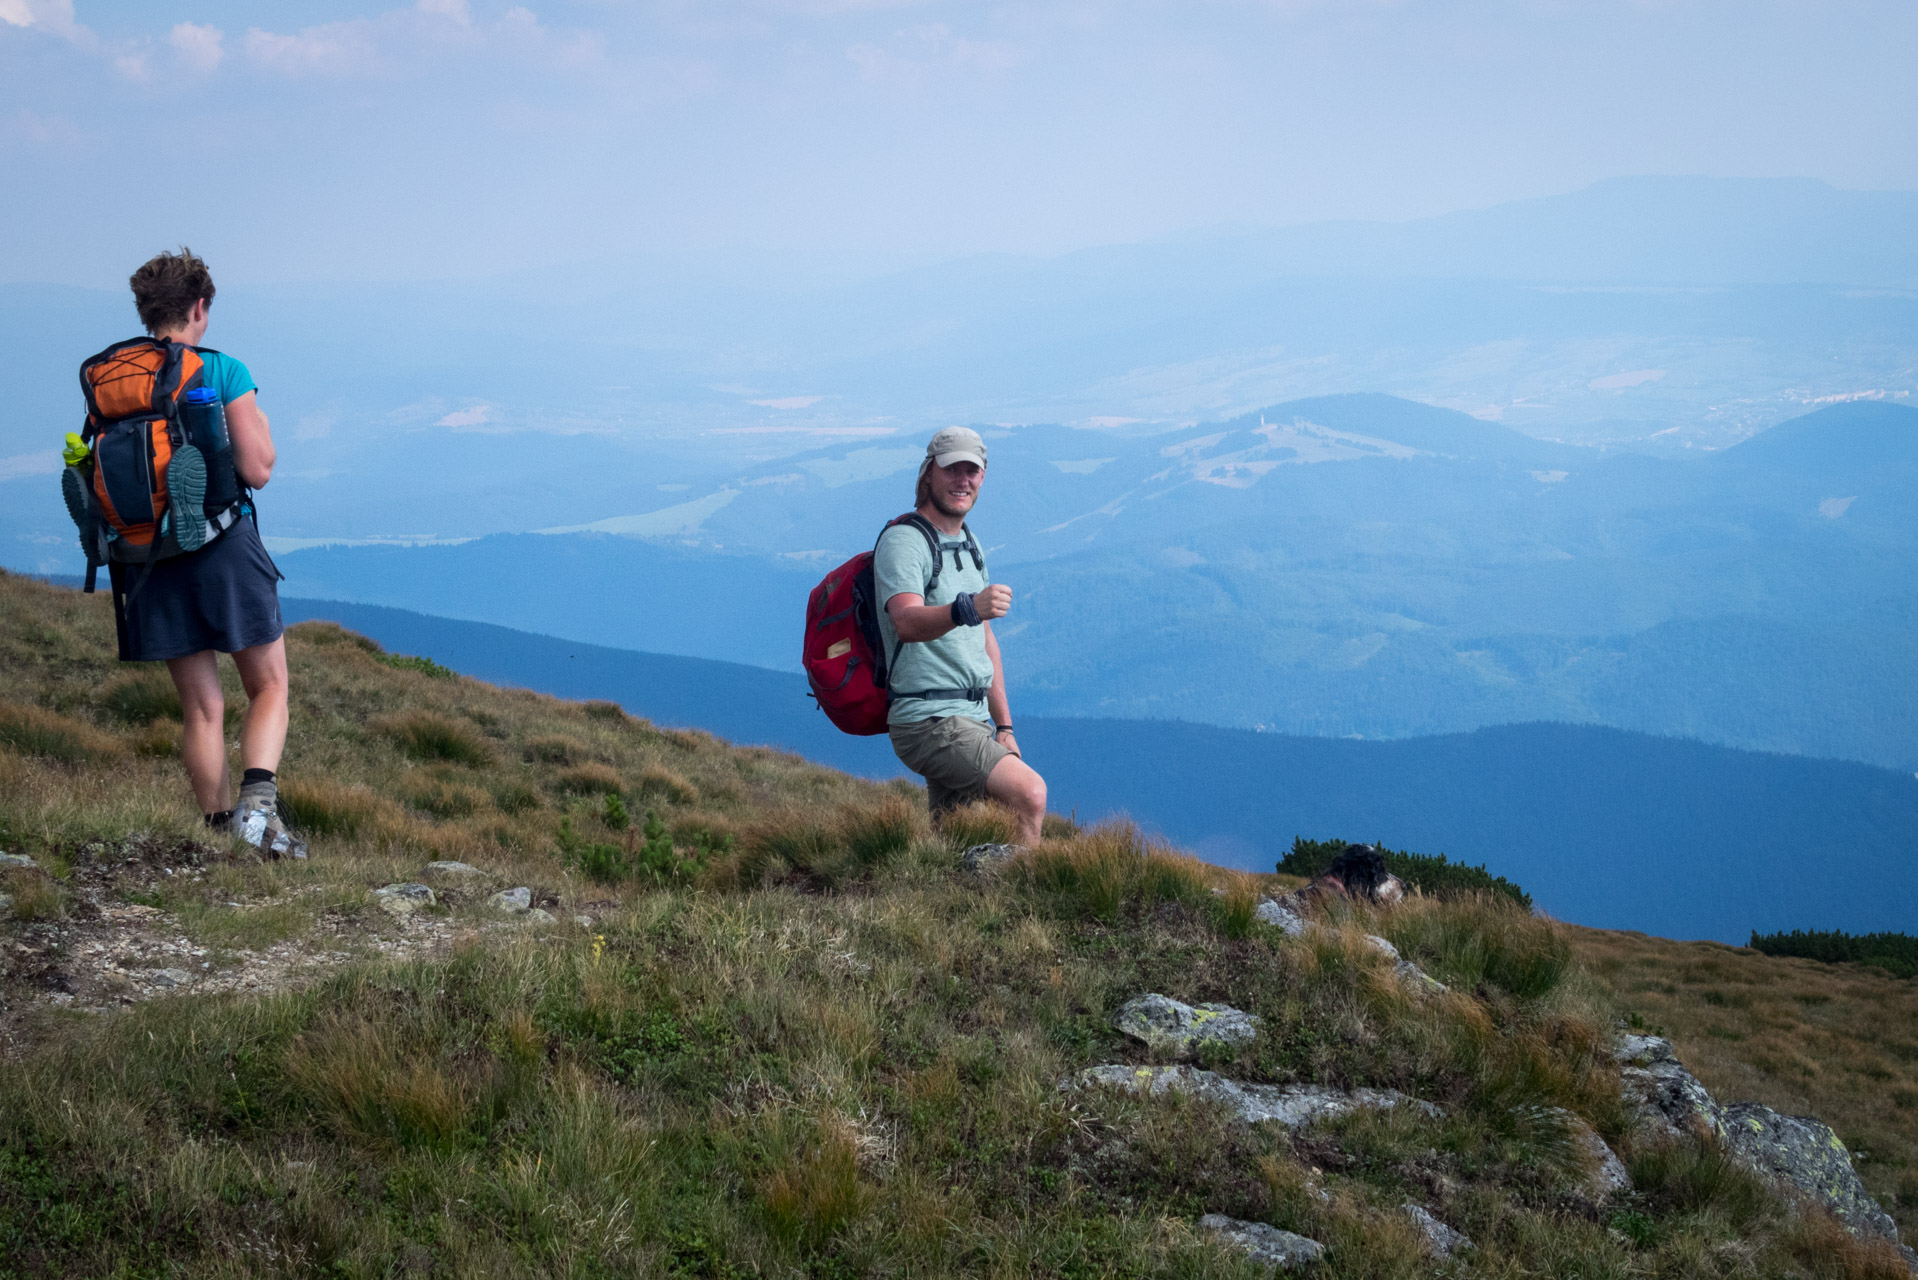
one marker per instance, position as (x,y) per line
(1348,565)
(1605,828)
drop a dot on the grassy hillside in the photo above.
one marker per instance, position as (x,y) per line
(811,1045)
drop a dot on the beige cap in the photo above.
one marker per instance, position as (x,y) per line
(956,444)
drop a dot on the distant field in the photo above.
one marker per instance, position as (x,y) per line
(1838,1041)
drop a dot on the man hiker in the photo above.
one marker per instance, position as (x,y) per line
(187,609)
(949,719)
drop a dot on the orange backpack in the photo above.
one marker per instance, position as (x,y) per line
(138,495)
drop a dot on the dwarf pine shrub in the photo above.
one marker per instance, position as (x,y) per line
(1428,873)
(1896,953)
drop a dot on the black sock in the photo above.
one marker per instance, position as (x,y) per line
(220,821)
(252,776)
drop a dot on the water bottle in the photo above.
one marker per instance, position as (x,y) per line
(205,421)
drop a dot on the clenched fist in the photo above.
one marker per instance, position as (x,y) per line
(994,602)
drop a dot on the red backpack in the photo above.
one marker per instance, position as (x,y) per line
(845,658)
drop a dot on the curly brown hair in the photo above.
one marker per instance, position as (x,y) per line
(167,285)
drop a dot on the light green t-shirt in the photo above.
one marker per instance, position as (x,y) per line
(902,562)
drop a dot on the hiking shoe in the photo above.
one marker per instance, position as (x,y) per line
(256,820)
(73,487)
(186,497)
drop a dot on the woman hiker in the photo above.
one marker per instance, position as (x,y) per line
(222,598)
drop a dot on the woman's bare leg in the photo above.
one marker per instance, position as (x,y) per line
(203,743)
(263,736)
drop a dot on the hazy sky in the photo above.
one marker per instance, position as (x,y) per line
(357,140)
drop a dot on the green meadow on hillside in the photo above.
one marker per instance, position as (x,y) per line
(767,1027)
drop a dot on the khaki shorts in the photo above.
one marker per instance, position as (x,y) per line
(954,754)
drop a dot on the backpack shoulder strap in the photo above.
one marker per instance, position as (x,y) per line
(972,548)
(931,535)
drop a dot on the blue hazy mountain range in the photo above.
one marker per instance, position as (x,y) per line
(1656,314)
(1604,827)
(1347,565)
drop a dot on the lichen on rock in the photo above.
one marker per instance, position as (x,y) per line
(1293,1106)
(1179,1030)
(1280,1250)
(1804,1154)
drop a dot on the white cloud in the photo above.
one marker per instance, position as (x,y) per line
(335,48)
(52,16)
(479,415)
(45,463)
(199,47)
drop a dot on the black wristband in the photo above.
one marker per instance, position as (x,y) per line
(998,729)
(964,613)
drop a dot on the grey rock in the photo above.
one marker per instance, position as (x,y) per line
(453,874)
(1294,925)
(1605,1175)
(6,905)
(1441,1240)
(512,902)
(1179,1030)
(1798,1153)
(403,899)
(989,857)
(16,860)
(1280,1250)
(1665,1100)
(170,977)
(538,915)
(1293,1106)
(1417,978)
(1383,947)
(584,922)
(1281,917)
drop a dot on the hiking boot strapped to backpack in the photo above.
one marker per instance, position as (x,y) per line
(845,653)
(141,485)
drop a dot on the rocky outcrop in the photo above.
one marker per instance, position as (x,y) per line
(1178,1030)
(1798,1154)
(401,900)
(16,860)
(985,858)
(1293,1106)
(512,902)
(1604,1174)
(1280,1250)
(453,875)
(1805,1155)
(1287,915)
(1441,1241)
(1665,1100)
(1282,918)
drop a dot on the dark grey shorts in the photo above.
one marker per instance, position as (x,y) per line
(225,596)
(954,754)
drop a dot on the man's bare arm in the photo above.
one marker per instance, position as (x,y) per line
(918,621)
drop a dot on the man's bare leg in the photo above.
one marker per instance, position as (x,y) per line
(1018,786)
(203,742)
